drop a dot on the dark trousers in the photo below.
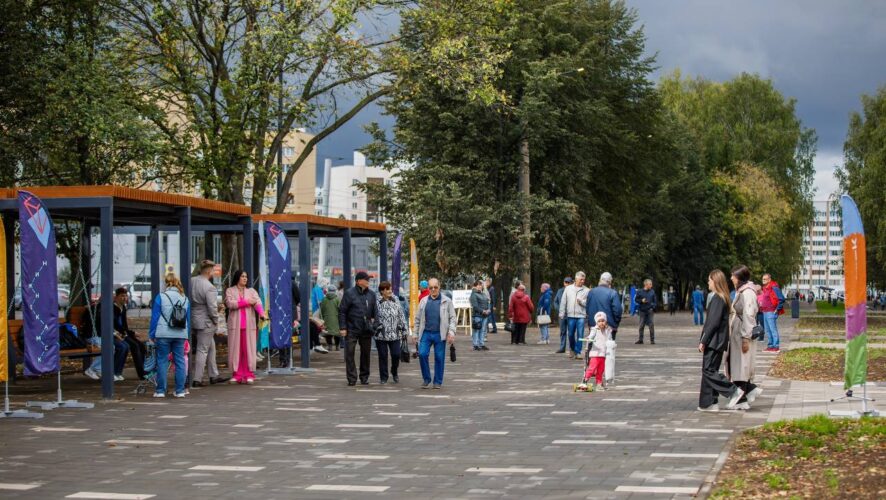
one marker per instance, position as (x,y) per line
(137,351)
(518,336)
(746,387)
(383,347)
(351,342)
(329,340)
(492,320)
(646,318)
(712,381)
(563,329)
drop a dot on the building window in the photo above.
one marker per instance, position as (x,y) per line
(354,205)
(319,212)
(287,151)
(354,182)
(353,216)
(353,193)
(141,250)
(319,200)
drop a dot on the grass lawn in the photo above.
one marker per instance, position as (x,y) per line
(825,307)
(813,457)
(823,364)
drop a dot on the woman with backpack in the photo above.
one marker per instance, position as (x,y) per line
(241,301)
(169,331)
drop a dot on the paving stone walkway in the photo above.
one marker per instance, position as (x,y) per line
(506,424)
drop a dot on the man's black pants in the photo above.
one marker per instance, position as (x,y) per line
(351,342)
(138,351)
(712,381)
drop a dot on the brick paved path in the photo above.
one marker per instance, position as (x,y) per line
(506,424)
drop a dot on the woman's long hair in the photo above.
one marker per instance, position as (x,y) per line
(720,286)
(172,281)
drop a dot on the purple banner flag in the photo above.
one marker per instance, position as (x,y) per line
(395,265)
(279,285)
(39,286)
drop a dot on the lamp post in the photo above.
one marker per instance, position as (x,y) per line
(524,189)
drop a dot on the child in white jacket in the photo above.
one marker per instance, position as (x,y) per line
(600,334)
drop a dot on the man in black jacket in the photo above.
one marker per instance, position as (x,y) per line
(356,317)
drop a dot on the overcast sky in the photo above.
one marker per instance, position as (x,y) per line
(825,54)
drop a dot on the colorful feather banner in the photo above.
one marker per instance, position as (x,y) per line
(855,273)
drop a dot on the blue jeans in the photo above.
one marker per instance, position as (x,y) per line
(429,339)
(698,316)
(769,323)
(563,329)
(576,330)
(478,337)
(545,331)
(121,349)
(177,346)
(491,319)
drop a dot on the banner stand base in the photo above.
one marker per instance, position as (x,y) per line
(285,370)
(20,414)
(73,403)
(304,370)
(43,405)
(864,412)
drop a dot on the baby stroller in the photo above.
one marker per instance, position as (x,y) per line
(150,380)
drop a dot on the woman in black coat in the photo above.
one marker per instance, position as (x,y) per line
(713,342)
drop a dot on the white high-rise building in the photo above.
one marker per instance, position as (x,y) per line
(822,252)
(346,200)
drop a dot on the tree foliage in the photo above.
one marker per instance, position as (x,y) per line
(863,176)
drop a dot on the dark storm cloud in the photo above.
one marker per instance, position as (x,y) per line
(825,54)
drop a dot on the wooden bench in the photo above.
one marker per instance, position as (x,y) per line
(77,316)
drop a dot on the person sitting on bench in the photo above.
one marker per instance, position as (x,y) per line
(122,336)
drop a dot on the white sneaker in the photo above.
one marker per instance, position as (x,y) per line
(159,395)
(753,395)
(118,378)
(541,342)
(735,397)
(92,374)
(742,406)
(712,408)
(179,394)
(320,349)
(259,357)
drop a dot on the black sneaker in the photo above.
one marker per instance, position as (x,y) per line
(219,380)
(484,348)
(476,348)
(652,342)
(352,384)
(396,379)
(638,342)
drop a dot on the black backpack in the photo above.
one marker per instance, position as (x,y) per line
(178,320)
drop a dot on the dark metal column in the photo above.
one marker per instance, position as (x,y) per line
(304,289)
(9,228)
(346,257)
(208,247)
(383,257)
(107,300)
(248,257)
(155,263)
(184,248)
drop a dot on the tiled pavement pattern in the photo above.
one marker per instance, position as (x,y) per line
(506,424)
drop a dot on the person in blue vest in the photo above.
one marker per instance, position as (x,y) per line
(603,298)
(698,302)
(435,325)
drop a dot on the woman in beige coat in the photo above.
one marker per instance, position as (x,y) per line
(740,355)
(241,301)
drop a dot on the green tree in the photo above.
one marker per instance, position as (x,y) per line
(599,149)
(863,176)
(236,76)
(742,131)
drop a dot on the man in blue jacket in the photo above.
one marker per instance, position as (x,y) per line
(603,298)
(646,304)
(698,303)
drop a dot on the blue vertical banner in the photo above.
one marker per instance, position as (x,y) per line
(279,285)
(263,327)
(39,286)
(396,263)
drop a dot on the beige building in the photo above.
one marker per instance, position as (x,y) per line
(302,191)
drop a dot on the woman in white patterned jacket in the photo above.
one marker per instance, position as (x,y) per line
(389,333)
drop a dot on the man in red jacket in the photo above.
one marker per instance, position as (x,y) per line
(520,310)
(771,305)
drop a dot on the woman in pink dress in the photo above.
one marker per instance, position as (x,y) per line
(241,301)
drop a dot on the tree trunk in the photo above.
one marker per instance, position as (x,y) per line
(526,240)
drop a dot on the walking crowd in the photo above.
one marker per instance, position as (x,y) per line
(362,319)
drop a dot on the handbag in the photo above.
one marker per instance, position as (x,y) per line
(509,327)
(543,319)
(477,323)
(452,353)
(404,350)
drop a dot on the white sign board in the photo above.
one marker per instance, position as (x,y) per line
(461,299)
